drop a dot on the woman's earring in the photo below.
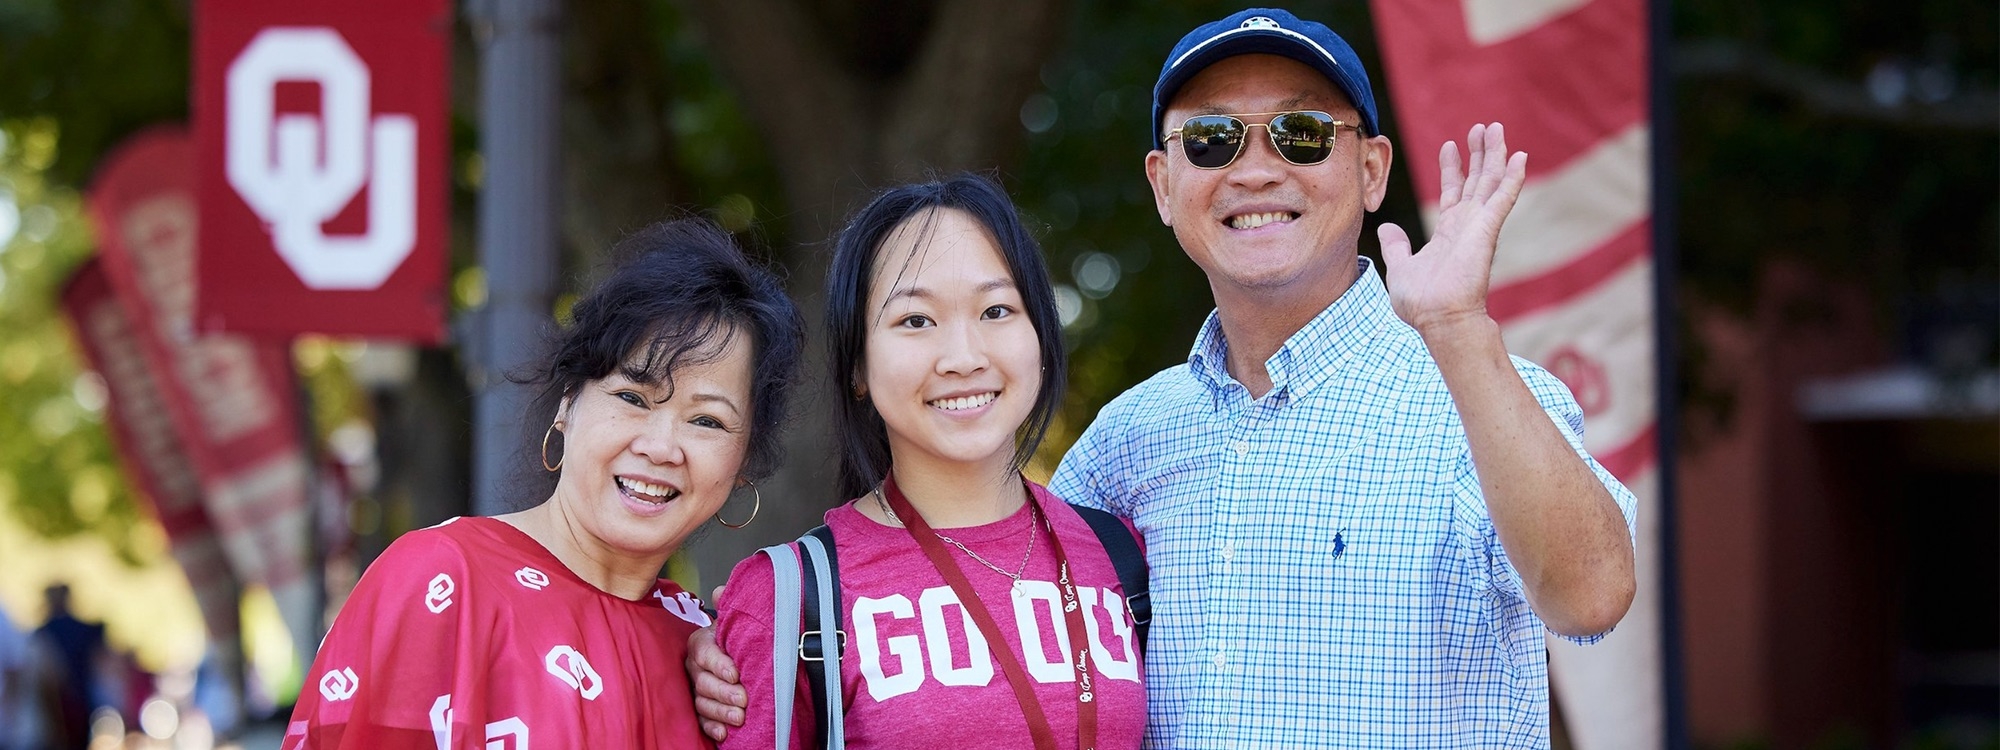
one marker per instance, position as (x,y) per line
(754,509)
(545,447)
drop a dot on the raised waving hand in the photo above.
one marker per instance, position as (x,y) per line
(1446,282)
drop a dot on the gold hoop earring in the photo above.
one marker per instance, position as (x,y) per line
(545,448)
(754,509)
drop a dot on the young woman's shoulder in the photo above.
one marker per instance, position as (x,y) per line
(748,592)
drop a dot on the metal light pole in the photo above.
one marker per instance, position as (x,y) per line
(520,102)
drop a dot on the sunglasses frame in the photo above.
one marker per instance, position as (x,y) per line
(1269,135)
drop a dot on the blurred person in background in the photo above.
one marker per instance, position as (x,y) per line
(662,398)
(80,654)
(22,688)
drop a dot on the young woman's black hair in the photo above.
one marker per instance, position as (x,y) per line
(864,440)
(676,291)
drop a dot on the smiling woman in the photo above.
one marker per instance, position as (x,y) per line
(661,399)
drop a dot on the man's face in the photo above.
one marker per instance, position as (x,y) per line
(1263,226)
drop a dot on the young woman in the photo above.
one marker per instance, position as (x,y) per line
(980,611)
(552,624)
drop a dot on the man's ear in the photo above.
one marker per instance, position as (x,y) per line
(1376,157)
(1156,173)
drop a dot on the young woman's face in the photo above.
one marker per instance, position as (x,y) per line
(643,467)
(953,363)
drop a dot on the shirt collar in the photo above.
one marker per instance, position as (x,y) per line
(1315,352)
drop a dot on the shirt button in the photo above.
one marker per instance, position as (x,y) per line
(1228,551)
(1220,660)
(1241,447)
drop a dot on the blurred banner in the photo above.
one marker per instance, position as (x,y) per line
(324,139)
(230,400)
(1573,283)
(155,459)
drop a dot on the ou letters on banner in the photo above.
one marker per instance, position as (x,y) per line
(323,145)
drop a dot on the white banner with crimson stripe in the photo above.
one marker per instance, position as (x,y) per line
(1573,281)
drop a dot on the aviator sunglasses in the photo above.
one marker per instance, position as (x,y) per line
(1303,138)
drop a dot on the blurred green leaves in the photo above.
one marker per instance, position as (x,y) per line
(58,470)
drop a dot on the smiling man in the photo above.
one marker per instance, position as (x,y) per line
(1361,513)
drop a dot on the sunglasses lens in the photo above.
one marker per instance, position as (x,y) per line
(1303,137)
(1211,141)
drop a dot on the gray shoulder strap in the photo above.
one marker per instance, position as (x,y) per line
(836,736)
(785,604)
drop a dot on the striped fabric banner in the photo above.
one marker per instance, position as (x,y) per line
(1573,281)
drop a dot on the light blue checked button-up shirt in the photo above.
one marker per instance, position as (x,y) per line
(1324,570)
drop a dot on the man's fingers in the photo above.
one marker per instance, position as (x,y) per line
(1451,179)
(1510,185)
(724,691)
(1497,153)
(706,658)
(714,731)
(1395,245)
(721,714)
(1475,162)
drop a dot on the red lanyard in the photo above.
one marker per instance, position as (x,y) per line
(1010,664)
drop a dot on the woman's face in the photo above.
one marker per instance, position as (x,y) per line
(953,363)
(642,467)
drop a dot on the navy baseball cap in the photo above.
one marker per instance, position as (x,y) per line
(1273,32)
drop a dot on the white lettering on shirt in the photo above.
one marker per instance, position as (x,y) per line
(1038,617)
(882,686)
(1028,620)
(937,636)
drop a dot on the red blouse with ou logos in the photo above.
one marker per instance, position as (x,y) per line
(471,634)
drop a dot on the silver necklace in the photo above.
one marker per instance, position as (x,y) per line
(1035,516)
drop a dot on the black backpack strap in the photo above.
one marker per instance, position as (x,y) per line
(1123,548)
(812,643)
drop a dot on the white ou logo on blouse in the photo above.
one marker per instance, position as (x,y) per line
(532,578)
(498,733)
(438,596)
(683,606)
(339,685)
(569,666)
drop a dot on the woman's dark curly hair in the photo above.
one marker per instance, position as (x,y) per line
(676,293)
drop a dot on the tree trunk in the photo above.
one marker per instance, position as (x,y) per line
(856,96)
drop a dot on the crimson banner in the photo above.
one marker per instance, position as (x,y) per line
(1573,280)
(230,400)
(323,136)
(154,458)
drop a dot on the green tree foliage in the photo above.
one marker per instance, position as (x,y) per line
(1857,138)
(101,69)
(58,470)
